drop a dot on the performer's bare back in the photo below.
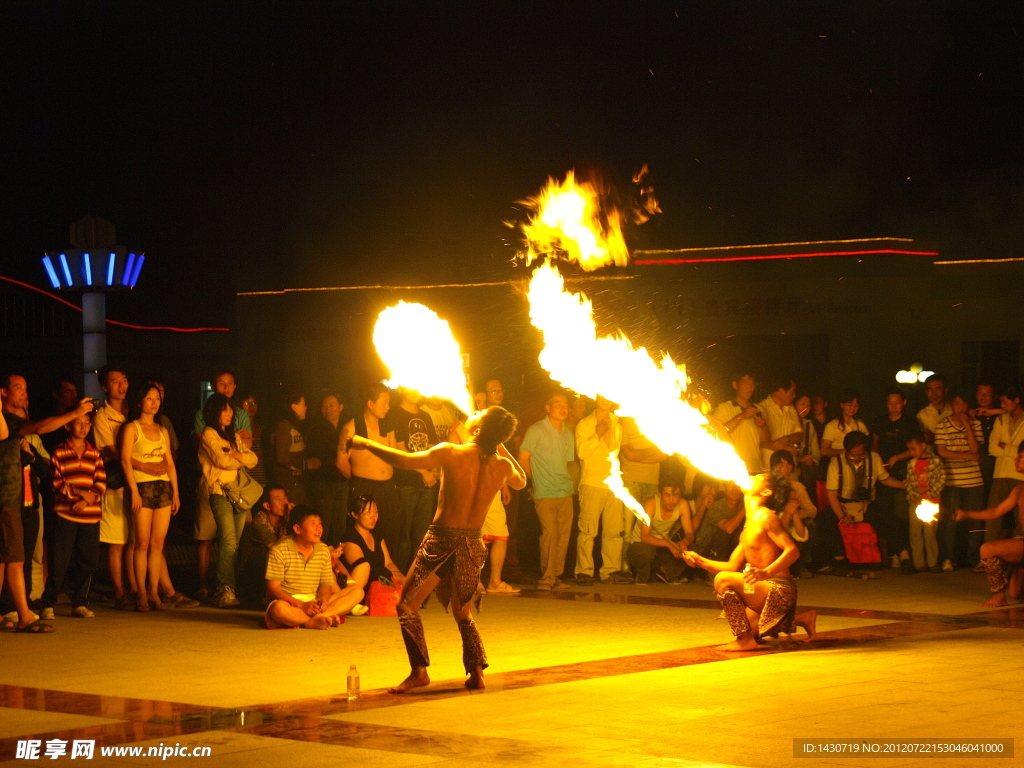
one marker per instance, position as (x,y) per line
(468,484)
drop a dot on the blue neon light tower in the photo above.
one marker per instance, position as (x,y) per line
(93,267)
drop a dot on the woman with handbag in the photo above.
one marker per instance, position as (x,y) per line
(152,480)
(365,553)
(224,460)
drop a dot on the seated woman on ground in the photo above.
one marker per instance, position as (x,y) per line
(364,553)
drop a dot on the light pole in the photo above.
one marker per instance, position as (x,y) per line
(93,267)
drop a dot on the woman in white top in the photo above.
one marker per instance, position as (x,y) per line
(220,457)
(847,422)
(153,483)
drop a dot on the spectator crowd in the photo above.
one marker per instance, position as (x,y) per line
(290,521)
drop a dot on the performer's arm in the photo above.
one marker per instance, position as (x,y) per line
(735,563)
(428,459)
(993,513)
(518,480)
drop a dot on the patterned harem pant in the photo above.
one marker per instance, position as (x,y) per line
(776,615)
(457,556)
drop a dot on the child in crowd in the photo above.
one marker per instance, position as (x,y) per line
(925,480)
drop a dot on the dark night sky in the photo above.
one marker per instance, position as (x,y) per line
(267,144)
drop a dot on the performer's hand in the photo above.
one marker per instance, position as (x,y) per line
(690,558)
(959,515)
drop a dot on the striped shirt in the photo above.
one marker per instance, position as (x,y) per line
(299,576)
(73,473)
(959,474)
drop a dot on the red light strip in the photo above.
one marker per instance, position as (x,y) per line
(782,256)
(112,322)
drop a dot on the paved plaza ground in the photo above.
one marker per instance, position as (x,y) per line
(597,677)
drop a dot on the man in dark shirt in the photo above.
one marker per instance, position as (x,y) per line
(14,393)
(414,432)
(890,512)
(328,488)
(268,525)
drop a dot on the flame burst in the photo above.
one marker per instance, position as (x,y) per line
(434,369)
(927,511)
(577,357)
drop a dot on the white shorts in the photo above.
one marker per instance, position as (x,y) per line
(115,522)
(495,525)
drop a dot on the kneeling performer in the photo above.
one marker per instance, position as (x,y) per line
(761,600)
(452,553)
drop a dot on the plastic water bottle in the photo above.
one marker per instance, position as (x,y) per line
(748,586)
(353,683)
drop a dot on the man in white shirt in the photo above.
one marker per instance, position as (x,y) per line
(598,440)
(744,423)
(781,420)
(937,408)
(1003,444)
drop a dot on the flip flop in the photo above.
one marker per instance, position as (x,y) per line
(504,589)
(37,627)
(6,623)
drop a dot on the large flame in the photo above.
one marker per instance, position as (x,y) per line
(577,357)
(434,369)
(569,223)
(927,511)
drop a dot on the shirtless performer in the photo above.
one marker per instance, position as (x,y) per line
(768,552)
(995,555)
(368,475)
(452,552)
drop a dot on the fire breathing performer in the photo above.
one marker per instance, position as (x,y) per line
(761,600)
(452,553)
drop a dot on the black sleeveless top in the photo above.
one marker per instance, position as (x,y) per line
(375,557)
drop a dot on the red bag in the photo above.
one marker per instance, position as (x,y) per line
(860,542)
(383,599)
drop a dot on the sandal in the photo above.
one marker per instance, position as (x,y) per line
(7,624)
(504,589)
(37,627)
(143,606)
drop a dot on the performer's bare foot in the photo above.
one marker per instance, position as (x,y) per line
(808,620)
(475,681)
(998,600)
(416,679)
(740,644)
(318,622)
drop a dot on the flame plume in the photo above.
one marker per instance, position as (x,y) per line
(570,224)
(927,511)
(434,369)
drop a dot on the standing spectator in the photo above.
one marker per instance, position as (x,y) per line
(79,481)
(495,392)
(640,460)
(291,461)
(819,415)
(115,522)
(664,539)
(221,454)
(1003,444)
(836,430)
(889,440)
(14,395)
(547,451)
(152,480)
(251,405)
(744,422)
(367,475)
(782,422)
(205,525)
(266,528)
(598,440)
(958,441)
(925,481)
(808,453)
(418,488)
(328,488)
(937,409)
(444,416)
(986,413)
